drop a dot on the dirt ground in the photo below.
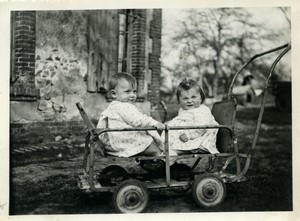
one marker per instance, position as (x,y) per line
(47,183)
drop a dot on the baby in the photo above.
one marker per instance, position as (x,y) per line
(192,113)
(122,113)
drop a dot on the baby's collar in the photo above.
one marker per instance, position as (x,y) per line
(182,110)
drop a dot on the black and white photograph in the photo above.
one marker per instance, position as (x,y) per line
(152,110)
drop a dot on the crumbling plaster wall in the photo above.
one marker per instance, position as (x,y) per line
(61,66)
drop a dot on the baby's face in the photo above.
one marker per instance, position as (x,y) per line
(124,92)
(190,99)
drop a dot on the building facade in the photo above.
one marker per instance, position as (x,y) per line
(59,58)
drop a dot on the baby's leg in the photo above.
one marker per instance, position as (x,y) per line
(156,166)
(152,150)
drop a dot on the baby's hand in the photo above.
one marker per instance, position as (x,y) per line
(160,127)
(183,137)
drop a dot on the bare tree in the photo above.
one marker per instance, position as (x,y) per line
(212,43)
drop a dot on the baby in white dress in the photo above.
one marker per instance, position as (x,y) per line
(192,113)
(122,113)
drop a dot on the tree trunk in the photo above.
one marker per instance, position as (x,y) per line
(216,77)
(215,86)
(208,86)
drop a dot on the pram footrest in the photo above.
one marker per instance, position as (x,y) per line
(83,182)
(227,177)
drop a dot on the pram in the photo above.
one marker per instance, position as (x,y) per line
(131,190)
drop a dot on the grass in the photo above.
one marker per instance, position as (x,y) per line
(50,187)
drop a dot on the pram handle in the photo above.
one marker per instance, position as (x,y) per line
(287,46)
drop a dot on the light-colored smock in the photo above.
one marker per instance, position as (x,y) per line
(204,139)
(126,144)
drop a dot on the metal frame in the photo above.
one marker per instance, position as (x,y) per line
(93,135)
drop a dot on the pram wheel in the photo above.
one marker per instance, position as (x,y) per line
(208,190)
(112,175)
(131,196)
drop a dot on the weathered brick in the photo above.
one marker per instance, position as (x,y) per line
(24,42)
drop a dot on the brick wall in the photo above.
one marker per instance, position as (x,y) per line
(139,59)
(154,57)
(23,56)
(138,43)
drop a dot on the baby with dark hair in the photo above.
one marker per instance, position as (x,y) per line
(122,113)
(192,113)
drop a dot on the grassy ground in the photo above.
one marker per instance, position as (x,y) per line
(49,185)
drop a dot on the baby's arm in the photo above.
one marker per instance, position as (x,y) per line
(135,118)
(184,119)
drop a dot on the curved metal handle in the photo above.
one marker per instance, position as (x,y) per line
(262,107)
(230,94)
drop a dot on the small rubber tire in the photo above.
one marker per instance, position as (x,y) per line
(131,196)
(208,190)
